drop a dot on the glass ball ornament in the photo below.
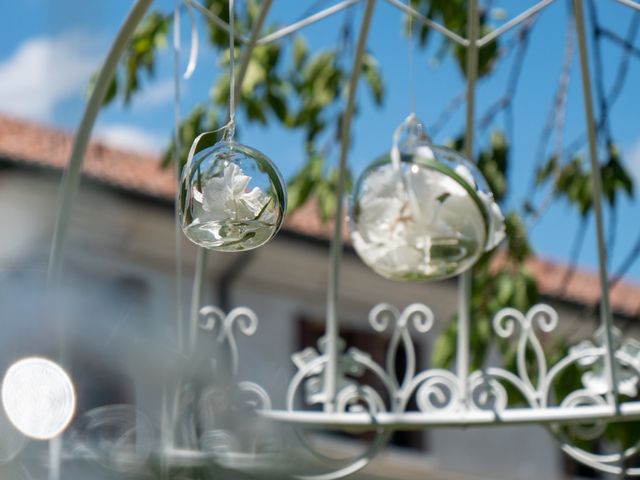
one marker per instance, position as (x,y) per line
(232,198)
(423,212)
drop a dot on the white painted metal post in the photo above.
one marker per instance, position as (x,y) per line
(333,288)
(464,283)
(71,178)
(605,309)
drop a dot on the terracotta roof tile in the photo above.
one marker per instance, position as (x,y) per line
(24,142)
(38,145)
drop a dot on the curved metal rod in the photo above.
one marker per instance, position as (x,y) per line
(544,387)
(630,3)
(214,18)
(305,22)
(251,45)
(513,22)
(525,390)
(336,241)
(605,308)
(351,465)
(311,19)
(429,23)
(579,455)
(71,178)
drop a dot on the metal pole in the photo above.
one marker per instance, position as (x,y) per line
(71,178)
(405,421)
(336,242)
(305,22)
(177,148)
(464,283)
(605,308)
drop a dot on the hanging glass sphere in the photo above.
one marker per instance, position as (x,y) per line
(232,198)
(423,212)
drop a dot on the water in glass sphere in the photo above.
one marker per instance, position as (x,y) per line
(428,219)
(232,198)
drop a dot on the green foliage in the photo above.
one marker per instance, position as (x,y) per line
(573,181)
(372,75)
(615,178)
(303,184)
(493,289)
(140,56)
(493,164)
(313,182)
(453,14)
(196,123)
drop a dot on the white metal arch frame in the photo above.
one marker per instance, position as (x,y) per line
(444,398)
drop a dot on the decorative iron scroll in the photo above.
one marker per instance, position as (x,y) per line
(495,389)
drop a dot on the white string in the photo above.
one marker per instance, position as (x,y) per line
(412,86)
(230,130)
(305,22)
(213,18)
(396,158)
(195,44)
(227,127)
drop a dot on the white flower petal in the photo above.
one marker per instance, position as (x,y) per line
(379,219)
(384,182)
(466,174)
(252,203)
(214,198)
(496,221)
(226,197)
(424,151)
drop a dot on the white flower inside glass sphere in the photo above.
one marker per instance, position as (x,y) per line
(232,198)
(423,212)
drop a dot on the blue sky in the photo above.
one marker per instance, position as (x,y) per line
(45,64)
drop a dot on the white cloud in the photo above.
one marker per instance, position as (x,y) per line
(44,71)
(155,94)
(128,137)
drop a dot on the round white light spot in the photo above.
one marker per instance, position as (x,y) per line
(38,397)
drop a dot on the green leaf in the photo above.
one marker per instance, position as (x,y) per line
(278,105)
(139,56)
(544,173)
(300,52)
(304,182)
(255,75)
(255,109)
(493,162)
(194,124)
(221,90)
(518,247)
(373,76)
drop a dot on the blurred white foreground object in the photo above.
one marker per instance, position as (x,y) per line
(38,397)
